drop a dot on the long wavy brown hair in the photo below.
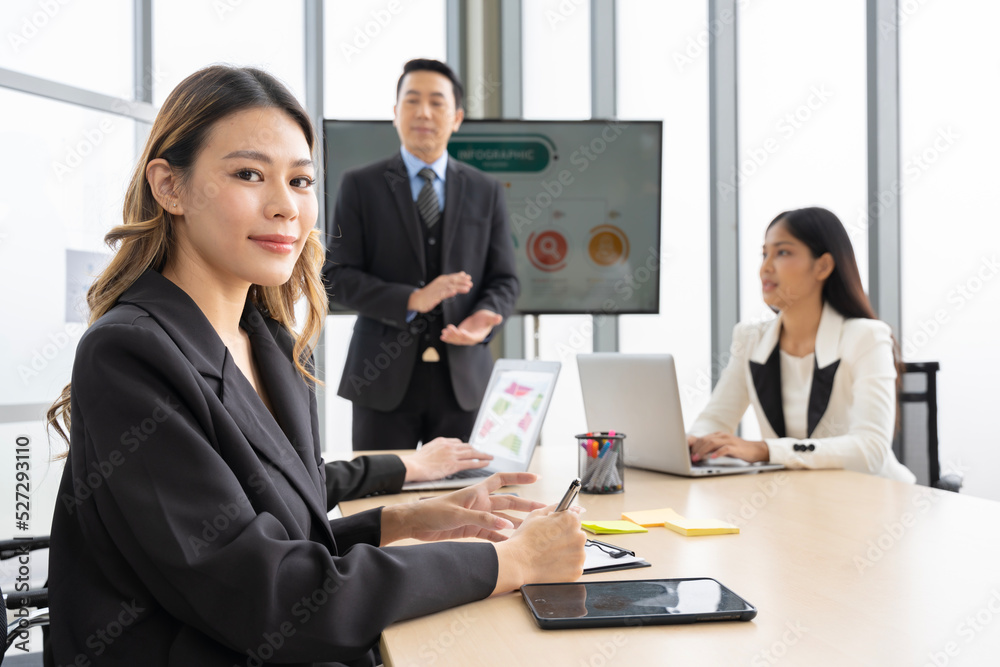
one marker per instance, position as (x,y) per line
(145,239)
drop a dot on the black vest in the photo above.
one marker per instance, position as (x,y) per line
(433,321)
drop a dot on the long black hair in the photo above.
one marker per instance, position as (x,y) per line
(822,232)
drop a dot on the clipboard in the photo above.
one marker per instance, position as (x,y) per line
(604,557)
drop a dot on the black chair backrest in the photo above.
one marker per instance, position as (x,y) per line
(3,630)
(916,444)
(22,601)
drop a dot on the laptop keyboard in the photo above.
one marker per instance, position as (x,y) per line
(469,474)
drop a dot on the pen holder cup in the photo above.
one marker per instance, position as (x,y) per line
(602,462)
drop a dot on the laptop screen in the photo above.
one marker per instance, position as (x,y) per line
(513,409)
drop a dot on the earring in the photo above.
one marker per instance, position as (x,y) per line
(175,204)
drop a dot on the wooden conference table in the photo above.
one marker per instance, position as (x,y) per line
(844,568)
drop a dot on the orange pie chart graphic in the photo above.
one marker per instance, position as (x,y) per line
(608,245)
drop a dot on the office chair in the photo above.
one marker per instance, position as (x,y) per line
(22,601)
(916,444)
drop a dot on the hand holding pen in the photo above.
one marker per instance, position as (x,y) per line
(569,496)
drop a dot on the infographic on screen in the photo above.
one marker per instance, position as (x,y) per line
(583,202)
(584,206)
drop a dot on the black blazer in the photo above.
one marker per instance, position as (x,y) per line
(191,528)
(376,260)
(363,476)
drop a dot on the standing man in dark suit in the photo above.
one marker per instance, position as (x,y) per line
(422,252)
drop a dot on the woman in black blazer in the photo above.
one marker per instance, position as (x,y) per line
(191,523)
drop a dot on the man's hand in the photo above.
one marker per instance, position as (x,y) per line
(469,512)
(473,329)
(442,457)
(725,444)
(443,287)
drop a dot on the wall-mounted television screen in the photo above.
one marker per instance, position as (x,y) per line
(583,199)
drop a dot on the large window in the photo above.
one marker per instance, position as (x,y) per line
(950,264)
(556,57)
(556,71)
(69,42)
(663,74)
(802,133)
(802,124)
(191,34)
(65,172)
(367,44)
(70,176)
(802,128)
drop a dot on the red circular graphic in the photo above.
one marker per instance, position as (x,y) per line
(547,250)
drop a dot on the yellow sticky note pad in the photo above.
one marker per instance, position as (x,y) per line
(690,527)
(612,527)
(649,517)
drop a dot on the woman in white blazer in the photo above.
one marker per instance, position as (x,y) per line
(822,375)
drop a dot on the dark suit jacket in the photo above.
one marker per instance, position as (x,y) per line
(363,476)
(376,260)
(191,526)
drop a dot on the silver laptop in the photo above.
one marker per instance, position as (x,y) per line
(637,395)
(509,420)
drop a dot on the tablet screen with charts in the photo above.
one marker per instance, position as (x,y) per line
(512,411)
(631,603)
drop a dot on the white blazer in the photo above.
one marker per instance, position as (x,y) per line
(852,401)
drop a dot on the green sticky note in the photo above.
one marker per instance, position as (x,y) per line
(612,527)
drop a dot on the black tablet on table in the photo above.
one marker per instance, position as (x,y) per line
(632,603)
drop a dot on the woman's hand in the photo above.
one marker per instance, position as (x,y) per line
(442,457)
(547,547)
(470,512)
(711,446)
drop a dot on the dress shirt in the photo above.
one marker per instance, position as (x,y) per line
(796,381)
(413,167)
